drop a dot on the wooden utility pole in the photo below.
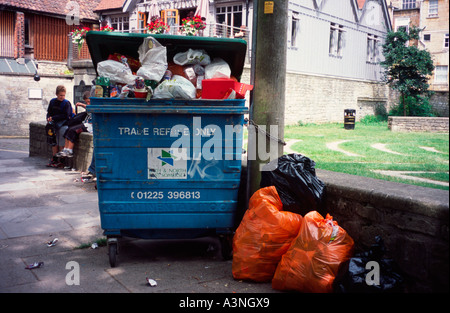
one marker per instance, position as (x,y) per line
(269,46)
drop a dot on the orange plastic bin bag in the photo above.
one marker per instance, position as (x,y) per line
(264,235)
(312,262)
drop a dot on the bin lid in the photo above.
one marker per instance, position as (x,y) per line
(102,44)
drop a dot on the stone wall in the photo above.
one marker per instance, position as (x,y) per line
(82,149)
(418,124)
(439,102)
(322,99)
(17,109)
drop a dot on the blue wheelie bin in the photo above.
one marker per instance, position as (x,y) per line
(167,169)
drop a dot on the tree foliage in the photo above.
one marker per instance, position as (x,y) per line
(407,68)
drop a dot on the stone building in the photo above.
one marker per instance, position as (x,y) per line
(433,17)
(34,38)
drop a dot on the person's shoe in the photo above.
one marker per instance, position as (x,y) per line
(87,175)
(64,154)
(51,163)
(61,154)
(57,165)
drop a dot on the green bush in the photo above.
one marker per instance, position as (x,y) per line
(381,112)
(415,106)
(373,119)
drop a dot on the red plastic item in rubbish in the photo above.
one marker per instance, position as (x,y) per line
(313,261)
(219,88)
(263,236)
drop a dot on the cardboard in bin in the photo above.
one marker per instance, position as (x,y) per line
(220,88)
(103,44)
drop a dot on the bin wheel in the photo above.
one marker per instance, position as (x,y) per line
(226,246)
(112,251)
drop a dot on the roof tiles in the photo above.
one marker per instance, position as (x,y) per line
(57,7)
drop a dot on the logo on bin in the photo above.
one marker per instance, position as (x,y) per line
(166,163)
(166,158)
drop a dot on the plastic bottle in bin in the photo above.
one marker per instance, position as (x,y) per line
(98,90)
(167,75)
(102,87)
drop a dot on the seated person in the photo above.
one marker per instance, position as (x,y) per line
(59,112)
(72,133)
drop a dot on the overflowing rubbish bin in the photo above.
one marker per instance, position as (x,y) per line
(168,166)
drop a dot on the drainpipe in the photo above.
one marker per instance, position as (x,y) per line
(247,12)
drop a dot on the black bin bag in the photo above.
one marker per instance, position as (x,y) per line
(361,276)
(294,177)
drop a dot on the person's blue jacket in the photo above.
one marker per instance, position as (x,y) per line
(60,110)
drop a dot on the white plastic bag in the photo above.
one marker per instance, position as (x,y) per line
(116,72)
(192,57)
(153,58)
(217,69)
(175,88)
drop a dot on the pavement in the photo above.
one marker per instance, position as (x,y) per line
(39,204)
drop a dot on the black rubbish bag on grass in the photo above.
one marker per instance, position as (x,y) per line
(294,177)
(381,276)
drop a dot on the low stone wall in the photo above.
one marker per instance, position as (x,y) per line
(413,221)
(418,124)
(82,150)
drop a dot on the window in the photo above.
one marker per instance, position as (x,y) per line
(120,23)
(295,26)
(440,74)
(402,23)
(336,43)
(433,8)
(372,48)
(427,37)
(446,41)
(142,21)
(403,28)
(230,16)
(409,4)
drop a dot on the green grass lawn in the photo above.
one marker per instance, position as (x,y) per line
(314,138)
